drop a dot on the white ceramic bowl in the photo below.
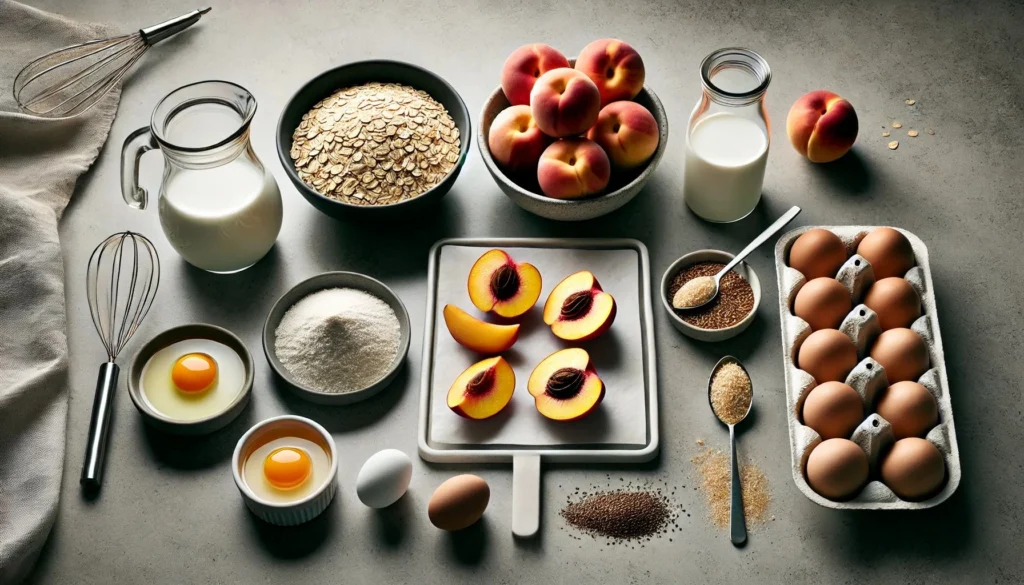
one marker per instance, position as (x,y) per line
(743,269)
(291,513)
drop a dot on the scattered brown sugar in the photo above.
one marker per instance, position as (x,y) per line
(731,393)
(734,302)
(714,468)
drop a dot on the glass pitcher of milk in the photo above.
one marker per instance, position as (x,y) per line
(219,207)
(727,138)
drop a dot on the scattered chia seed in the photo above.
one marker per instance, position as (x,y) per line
(625,515)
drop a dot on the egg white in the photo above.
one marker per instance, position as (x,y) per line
(159,392)
(252,471)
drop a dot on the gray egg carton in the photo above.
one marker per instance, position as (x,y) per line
(874,434)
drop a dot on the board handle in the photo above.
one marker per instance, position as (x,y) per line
(525,495)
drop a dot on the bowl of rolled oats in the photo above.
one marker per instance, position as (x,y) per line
(374,139)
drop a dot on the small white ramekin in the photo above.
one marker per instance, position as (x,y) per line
(292,513)
(743,269)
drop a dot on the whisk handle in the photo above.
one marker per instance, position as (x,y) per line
(158,32)
(99,426)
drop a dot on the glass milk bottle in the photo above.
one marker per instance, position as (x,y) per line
(727,137)
(219,207)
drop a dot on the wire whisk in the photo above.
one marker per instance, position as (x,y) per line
(69,81)
(121,283)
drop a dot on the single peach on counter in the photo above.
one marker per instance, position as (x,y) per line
(565,102)
(615,67)
(822,126)
(565,386)
(524,66)
(627,132)
(573,168)
(483,390)
(578,309)
(479,336)
(515,141)
(500,284)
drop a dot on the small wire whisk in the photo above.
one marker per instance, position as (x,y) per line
(71,80)
(121,283)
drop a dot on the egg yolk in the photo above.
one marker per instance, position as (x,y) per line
(287,467)
(194,372)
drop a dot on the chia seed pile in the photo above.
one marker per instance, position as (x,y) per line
(630,514)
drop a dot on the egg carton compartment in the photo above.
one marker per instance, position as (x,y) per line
(868,378)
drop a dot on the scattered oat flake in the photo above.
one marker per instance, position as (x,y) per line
(911,102)
(894,145)
(700,442)
(930,132)
(912,133)
(897,124)
(886,133)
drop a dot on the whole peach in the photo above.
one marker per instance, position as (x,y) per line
(565,102)
(615,67)
(515,140)
(573,168)
(627,132)
(822,126)
(524,66)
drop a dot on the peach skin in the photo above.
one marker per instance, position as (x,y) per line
(515,141)
(627,132)
(822,126)
(524,66)
(615,67)
(573,168)
(564,103)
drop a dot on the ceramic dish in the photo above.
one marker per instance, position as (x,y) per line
(336,280)
(743,269)
(291,513)
(356,73)
(174,335)
(621,191)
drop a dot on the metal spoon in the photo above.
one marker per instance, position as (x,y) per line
(737,522)
(765,235)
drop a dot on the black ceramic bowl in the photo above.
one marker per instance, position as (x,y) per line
(356,73)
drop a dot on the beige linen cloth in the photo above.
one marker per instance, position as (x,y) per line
(40,161)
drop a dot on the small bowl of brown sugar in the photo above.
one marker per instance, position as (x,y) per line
(729,314)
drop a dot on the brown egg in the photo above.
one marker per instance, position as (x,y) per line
(833,410)
(909,407)
(888,251)
(895,302)
(903,353)
(828,355)
(817,253)
(458,502)
(913,469)
(823,302)
(837,469)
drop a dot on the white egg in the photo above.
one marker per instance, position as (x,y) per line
(254,476)
(160,392)
(384,478)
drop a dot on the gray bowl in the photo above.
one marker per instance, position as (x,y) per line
(743,269)
(336,280)
(383,71)
(622,189)
(174,335)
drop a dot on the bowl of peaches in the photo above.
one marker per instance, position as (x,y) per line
(573,139)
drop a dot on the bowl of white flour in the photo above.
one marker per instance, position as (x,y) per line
(337,338)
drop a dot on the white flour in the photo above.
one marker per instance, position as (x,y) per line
(338,340)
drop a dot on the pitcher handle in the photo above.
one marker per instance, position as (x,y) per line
(137,144)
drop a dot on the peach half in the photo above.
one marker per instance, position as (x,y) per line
(822,126)
(578,309)
(477,335)
(565,102)
(483,390)
(573,168)
(524,66)
(565,386)
(627,132)
(498,283)
(515,141)
(615,67)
